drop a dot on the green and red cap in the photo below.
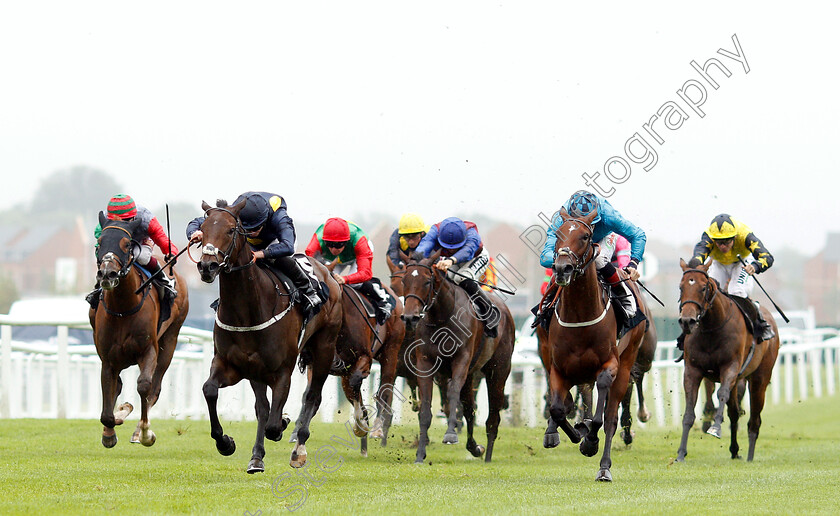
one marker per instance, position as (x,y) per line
(121,207)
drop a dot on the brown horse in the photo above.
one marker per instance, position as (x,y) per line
(258,335)
(644,361)
(582,340)
(449,341)
(359,342)
(720,348)
(127,329)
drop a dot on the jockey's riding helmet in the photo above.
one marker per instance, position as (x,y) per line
(336,230)
(582,203)
(722,227)
(121,207)
(255,212)
(411,223)
(452,233)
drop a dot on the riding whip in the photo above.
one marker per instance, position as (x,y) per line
(165,265)
(765,292)
(168,234)
(638,282)
(500,289)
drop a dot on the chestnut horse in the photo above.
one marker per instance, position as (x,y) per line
(450,342)
(720,348)
(127,330)
(359,342)
(582,342)
(258,335)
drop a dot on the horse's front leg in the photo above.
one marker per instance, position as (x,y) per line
(728,377)
(709,406)
(643,414)
(147,363)
(389,358)
(467,396)
(221,375)
(620,385)
(261,408)
(691,385)
(111,387)
(424,388)
(626,417)
(460,380)
(559,394)
(605,379)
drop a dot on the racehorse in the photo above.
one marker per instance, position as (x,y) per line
(582,341)
(719,347)
(644,361)
(359,342)
(449,341)
(127,329)
(258,335)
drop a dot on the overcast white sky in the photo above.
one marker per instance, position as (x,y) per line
(444,108)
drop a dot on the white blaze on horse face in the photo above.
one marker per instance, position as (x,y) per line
(691,282)
(414,273)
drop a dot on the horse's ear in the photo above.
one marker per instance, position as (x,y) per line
(563,213)
(705,266)
(589,218)
(134,225)
(434,257)
(236,208)
(331,265)
(205,206)
(683,265)
(103,220)
(391,265)
(404,257)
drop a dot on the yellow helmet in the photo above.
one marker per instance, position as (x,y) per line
(722,227)
(411,223)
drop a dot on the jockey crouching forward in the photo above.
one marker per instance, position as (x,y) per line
(337,239)
(271,234)
(724,240)
(406,237)
(150,233)
(463,252)
(607,223)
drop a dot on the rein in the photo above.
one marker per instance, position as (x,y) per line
(129,312)
(707,302)
(211,250)
(433,293)
(591,322)
(578,269)
(365,317)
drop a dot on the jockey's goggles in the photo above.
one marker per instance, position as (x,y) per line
(724,241)
(334,245)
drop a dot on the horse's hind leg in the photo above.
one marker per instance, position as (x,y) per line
(758,389)
(734,412)
(691,384)
(643,414)
(385,393)
(143,434)
(468,406)
(559,394)
(261,408)
(626,417)
(589,445)
(709,408)
(728,380)
(311,402)
(352,387)
(168,342)
(496,375)
(220,376)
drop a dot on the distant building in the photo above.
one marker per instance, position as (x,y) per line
(822,276)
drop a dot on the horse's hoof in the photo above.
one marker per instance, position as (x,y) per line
(298,459)
(378,433)
(273,434)
(643,416)
(583,427)
(589,448)
(604,476)
(109,441)
(358,431)
(122,412)
(135,437)
(714,431)
(627,437)
(706,426)
(255,466)
(450,438)
(226,445)
(415,406)
(149,439)
(478,451)
(551,440)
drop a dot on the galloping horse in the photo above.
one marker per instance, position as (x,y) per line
(258,335)
(582,341)
(450,342)
(644,361)
(359,342)
(127,329)
(720,348)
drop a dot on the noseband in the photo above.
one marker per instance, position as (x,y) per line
(707,302)
(109,257)
(211,250)
(579,263)
(433,293)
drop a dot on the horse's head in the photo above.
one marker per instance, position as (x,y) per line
(397,273)
(421,283)
(697,291)
(115,251)
(223,237)
(574,249)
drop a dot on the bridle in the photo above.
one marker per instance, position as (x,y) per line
(707,302)
(433,292)
(110,256)
(211,250)
(579,263)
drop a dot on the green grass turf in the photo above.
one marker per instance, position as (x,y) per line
(60,467)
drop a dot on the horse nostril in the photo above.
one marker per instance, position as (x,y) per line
(111,275)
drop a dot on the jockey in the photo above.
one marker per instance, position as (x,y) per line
(337,239)
(621,252)
(607,220)
(406,237)
(463,252)
(271,234)
(150,233)
(724,241)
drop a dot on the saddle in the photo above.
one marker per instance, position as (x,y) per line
(747,310)
(320,287)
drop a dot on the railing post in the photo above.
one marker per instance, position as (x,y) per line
(6,372)
(62,372)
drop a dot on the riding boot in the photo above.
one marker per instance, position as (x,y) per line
(625,297)
(305,294)
(491,316)
(379,298)
(542,309)
(93,297)
(169,292)
(763,330)
(681,347)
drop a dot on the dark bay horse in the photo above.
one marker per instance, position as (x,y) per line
(582,341)
(720,348)
(126,329)
(360,341)
(450,342)
(644,361)
(258,335)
